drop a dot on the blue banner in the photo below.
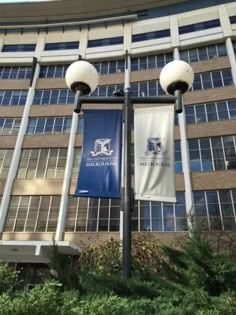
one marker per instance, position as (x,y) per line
(100,168)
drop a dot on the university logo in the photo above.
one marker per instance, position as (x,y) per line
(102,147)
(154,146)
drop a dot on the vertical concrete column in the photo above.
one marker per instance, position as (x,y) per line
(83,42)
(189,202)
(17,151)
(227,32)
(174,31)
(224,21)
(231,55)
(127,36)
(66,180)
(40,45)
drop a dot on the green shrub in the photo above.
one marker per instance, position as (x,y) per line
(114,305)
(8,279)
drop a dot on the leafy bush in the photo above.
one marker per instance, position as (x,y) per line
(8,279)
(104,258)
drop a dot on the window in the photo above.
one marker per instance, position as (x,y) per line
(49,125)
(15,72)
(93,215)
(200,113)
(234,46)
(76,162)
(147,88)
(150,35)
(214,209)
(149,62)
(32,214)
(13,98)
(80,127)
(62,46)
(158,216)
(5,162)
(57,71)
(107,90)
(199,26)
(232,19)
(178,159)
(47,97)
(108,67)
(42,163)
(19,48)
(203,53)
(105,42)
(9,126)
(211,154)
(214,79)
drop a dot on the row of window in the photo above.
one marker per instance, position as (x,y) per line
(150,35)
(214,210)
(63,45)
(112,66)
(210,112)
(59,96)
(199,113)
(117,66)
(212,79)
(46,163)
(206,80)
(53,125)
(202,81)
(199,26)
(149,62)
(203,53)
(15,72)
(49,125)
(13,97)
(53,71)
(206,154)
(33,214)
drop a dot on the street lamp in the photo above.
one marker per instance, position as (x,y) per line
(82,78)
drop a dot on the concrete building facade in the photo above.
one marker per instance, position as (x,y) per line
(41,138)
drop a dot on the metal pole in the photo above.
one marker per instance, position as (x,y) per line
(126,196)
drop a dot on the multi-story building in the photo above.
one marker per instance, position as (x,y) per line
(41,138)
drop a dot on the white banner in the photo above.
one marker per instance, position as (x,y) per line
(154,154)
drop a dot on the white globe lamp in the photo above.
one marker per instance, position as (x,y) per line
(82,76)
(177,75)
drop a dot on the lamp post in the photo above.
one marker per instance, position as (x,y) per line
(82,78)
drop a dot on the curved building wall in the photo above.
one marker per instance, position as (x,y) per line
(36,122)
